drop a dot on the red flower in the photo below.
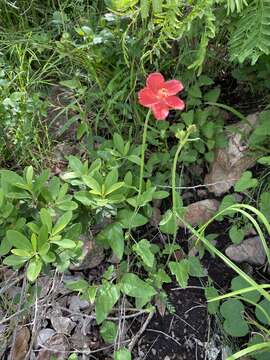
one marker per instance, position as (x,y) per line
(159,95)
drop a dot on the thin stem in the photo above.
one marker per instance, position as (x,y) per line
(143,150)
(175,160)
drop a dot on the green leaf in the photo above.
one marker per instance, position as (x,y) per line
(132,285)
(34,269)
(195,91)
(67,205)
(158,195)
(62,223)
(265,204)
(46,219)
(18,240)
(64,243)
(129,219)
(107,297)
(236,235)
(91,294)
(111,179)
(114,236)
(114,187)
(119,143)
(22,253)
(83,197)
(180,270)
(77,285)
(265,160)
(29,175)
(239,283)
(122,354)
(134,159)
(168,223)
(265,304)
(233,311)
(13,260)
(92,184)
(195,267)
(245,182)
(212,95)
(108,331)
(210,293)
(143,249)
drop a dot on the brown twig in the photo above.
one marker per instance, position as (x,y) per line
(140,332)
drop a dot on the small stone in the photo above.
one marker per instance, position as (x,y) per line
(76,304)
(62,324)
(200,212)
(250,250)
(43,336)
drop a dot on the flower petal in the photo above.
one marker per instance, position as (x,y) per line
(173,86)
(160,111)
(174,102)
(147,97)
(155,81)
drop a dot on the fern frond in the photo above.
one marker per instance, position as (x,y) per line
(251,39)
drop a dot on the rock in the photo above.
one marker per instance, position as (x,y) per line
(232,161)
(57,347)
(21,344)
(43,336)
(156,217)
(93,255)
(62,325)
(200,212)
(250,250)
(76,304)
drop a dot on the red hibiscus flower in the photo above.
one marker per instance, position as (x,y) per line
(159,95)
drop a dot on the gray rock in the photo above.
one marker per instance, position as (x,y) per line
(250,250)
(43,336)
(200,212)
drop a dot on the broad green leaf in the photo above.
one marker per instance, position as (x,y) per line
(67,205)
(92,184)
(122,354)
(33,269)
(79,285)
(111,179)
(143,249)
(29,175)
(236,234)
(180,270)
(239,283)
(14,260)
(5,246)
(212,95)
(46,218)
(265,304)
(233,312)
(22,253)
(107,297)
(108,331)
(64,243)
(18,240)
(134,159)
(115,237)
(195,267)
(265,204)
(91,294)
(245,182)
(129,219)
(132,285)
(265,160)
(42,236)
(168,223)
(83,197)
(114,187)
(118,141)
(210,293)
(62,223)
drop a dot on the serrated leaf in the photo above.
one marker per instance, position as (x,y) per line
(245,182)
(132,285)
(180,270)
(143,249)
(236,235)
(195,267)
(210,293)
(107,297)
(108,331)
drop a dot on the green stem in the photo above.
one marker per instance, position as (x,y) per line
(143,150)
(175,160)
